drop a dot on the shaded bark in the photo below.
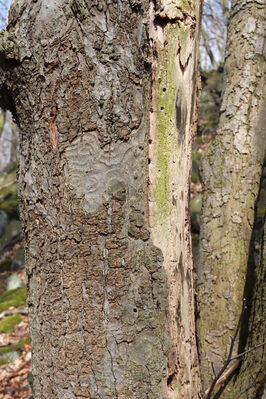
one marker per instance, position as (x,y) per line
(231,175)
(250,380)
(102,310)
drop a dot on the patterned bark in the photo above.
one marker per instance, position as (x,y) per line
(231,175)
(78,75)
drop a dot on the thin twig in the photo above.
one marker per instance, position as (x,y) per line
(6,390)
(7,185)
(228,372)
(248,351)
(223,375)
(17,372)
(12,242)
(23,311)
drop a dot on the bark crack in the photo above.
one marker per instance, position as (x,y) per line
(106,313)
(112,368)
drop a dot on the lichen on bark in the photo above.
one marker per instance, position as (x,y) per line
(175,38)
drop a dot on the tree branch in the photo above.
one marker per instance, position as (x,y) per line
(229,357)
(223,374)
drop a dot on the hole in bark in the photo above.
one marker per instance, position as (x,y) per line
(150,141)
(162,108)
(149,160)
(135,310)
(164,89)
(170,379)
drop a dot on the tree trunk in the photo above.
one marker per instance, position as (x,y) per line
(231,175)
(104,93)
(250,382)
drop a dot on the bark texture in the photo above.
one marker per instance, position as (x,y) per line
(231,175)
(78,78)
(175,35)
(251,381)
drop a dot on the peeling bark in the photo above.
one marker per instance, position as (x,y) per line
(80,81)
(231,175)
(175,35)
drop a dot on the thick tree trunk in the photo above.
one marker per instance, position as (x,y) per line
(231,175)
(109,274)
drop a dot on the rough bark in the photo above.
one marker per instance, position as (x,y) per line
(250,382)
(231,175)
(78,78)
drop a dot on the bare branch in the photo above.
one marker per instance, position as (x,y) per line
(228,372)
(15,311)
(229,357)
(248,351)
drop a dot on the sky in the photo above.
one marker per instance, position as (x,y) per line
(4,6)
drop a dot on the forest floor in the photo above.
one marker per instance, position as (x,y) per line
(15,349)
(14,343)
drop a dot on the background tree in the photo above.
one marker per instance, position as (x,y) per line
(232,168)
(8,130)
(213,32)
(104,94)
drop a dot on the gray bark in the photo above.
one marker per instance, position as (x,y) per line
(250,382)
(79,77)
(231,174)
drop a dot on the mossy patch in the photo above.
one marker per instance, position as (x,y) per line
(11,167)
(10,206)
(15,347)
(16,298)
(19,347)
(165,89)
(8,192)
(2,286)
(5,265)
(7,323)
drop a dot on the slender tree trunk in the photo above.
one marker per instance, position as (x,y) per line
(104,93)
(231,175)
(250,382)
(172,119)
